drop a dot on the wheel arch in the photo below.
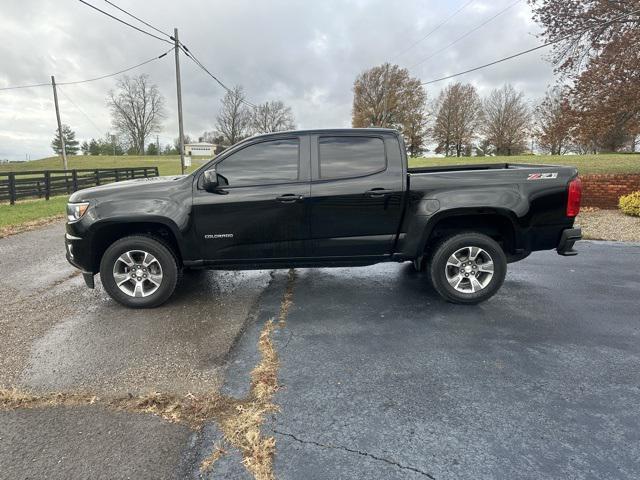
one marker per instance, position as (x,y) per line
(496,223)
(104,233)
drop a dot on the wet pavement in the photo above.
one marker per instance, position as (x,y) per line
(57,335)
(380,378)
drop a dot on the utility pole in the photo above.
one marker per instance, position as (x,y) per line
(384,96)
(55,101)
(180,125)
(157,144)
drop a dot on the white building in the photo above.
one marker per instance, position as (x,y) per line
(200,149)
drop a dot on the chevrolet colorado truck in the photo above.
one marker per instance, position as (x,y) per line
(322,198)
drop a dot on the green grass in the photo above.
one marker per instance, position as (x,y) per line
(167,165)
(24,211)
(29,210)
(603,163)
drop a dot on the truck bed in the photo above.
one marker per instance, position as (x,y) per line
(475,167)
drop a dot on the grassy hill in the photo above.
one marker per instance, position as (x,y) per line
(170,165)
(603,163)
(167,165)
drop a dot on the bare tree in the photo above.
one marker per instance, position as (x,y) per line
(553,122)
(506,120)
(137,109)
(234,119)
(458,117)
(272,117)
(211,137)
(387,96)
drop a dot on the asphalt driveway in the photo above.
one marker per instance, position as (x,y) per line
(380,378)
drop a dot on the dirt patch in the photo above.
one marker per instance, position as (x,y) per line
(31,225)
(239,419)
(608,225)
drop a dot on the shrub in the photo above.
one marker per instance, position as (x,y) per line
(630,204)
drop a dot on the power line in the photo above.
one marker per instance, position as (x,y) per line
(435,29)
(504,10)
(119,72)
(80,110)
(183,47)
(190,54)
(138,19)
(48,84)
(126,23)
(524,52)
(489,64)
(27,86)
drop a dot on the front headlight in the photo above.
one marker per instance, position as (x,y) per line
(75,211)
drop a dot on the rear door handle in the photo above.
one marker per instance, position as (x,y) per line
(289,198)
(377,192)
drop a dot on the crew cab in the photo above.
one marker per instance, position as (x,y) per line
(322,198)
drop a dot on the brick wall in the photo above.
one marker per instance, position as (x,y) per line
(603,191)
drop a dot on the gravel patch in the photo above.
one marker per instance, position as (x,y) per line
(609,225)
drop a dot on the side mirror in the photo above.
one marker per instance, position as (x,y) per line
(210,180)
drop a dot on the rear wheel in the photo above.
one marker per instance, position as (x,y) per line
(467,268)
(139,271)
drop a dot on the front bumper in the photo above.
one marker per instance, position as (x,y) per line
(78,255)
(568,238)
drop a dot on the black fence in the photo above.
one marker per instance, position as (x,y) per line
(48,183)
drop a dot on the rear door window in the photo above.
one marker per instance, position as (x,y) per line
(350,156)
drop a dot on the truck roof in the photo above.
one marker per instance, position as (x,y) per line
(330,130)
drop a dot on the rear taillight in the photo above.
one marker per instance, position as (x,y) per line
(575,195)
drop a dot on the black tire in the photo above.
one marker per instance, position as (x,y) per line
(160,250)
(438,267)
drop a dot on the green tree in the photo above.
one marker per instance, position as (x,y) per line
(70,142)
(94,148)
(152,149)
(85,148)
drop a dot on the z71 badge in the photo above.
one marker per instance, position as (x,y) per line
(542,176)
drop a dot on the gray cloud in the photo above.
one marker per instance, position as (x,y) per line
(304,53)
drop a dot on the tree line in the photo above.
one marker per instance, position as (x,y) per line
(594,106)
(137,110)
(458,122)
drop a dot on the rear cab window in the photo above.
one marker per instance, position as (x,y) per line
(350,156)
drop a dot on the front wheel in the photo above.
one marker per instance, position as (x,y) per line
(467,268)
(139,271)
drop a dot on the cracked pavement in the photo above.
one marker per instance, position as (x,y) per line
(380,379)
(59,336)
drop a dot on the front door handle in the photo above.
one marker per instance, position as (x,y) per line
(289,198)
(377,192)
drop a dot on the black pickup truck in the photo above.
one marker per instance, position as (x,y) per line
(322,198)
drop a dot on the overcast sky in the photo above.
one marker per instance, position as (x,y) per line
(306,53)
